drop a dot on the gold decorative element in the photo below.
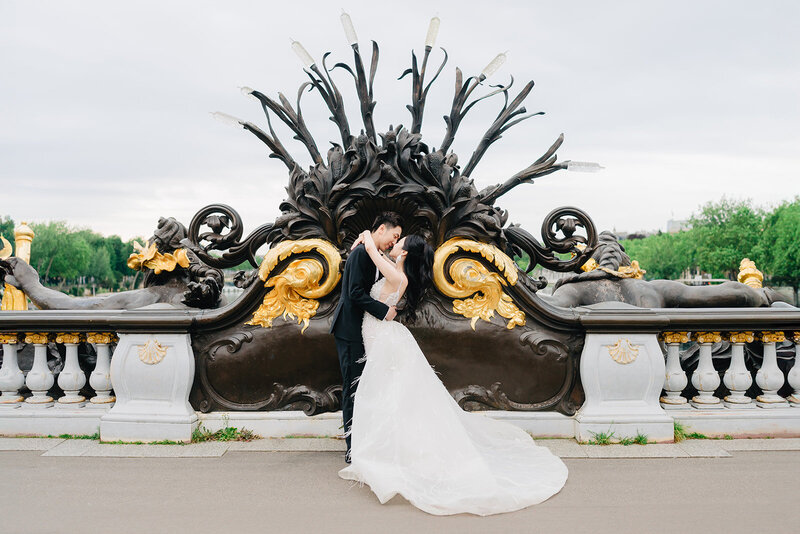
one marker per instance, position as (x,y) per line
(152,352)
(590,265)
(772,337)
(13,298)
(9,339)
(6,251)
(150,258)
(101,338)
(707,337)
(37,339)
(749,275)
(623,351)
(472,279)
(675,337)
(296,288)
(69,338)
(625,271)
(741,337)
(796,337)
(23,237)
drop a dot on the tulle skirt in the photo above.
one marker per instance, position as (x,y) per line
(410,437)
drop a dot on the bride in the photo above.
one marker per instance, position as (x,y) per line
(409,436)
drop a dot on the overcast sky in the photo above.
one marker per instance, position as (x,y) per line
(104,106)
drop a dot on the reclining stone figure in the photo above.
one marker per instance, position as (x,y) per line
(611,276)
(173,275)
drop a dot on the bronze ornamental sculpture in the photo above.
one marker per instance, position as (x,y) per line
(496,343)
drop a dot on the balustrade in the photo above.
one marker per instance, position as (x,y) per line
(40,379)
(739,373)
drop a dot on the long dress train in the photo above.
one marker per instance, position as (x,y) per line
(410,437)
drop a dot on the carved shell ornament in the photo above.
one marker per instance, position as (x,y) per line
(152,352)
(623,351)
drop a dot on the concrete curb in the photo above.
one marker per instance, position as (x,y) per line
(564,448)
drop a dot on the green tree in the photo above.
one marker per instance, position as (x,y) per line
(7,228)
(100,268)
(663,256)
(725,232)
(779,248)
(59,253)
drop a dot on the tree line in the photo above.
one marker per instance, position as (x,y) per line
(719,236)
(78,261)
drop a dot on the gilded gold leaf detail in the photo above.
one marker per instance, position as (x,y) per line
(9,339)
(590,265)
(101,338)
(37,339)
(478,291)
(749,275)
(772,337)
(148,257)
(741,337)
(675,337)
(69,338)
(152,352)
(296,288)
(623,351)
(707,337)
(6,251)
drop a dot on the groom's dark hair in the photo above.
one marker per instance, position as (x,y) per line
(389,218)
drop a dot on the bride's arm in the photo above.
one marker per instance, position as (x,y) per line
(386,267)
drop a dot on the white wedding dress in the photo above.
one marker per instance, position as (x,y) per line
(410,437)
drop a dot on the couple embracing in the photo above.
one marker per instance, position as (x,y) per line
(405,433)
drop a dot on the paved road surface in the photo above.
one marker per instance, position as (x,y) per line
(300,492)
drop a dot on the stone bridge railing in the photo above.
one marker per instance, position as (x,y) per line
(718,371)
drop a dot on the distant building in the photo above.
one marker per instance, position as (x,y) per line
(673,226)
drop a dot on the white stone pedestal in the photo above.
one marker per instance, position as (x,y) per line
(622,376)
(152,375)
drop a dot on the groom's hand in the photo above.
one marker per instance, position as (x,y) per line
(391,314)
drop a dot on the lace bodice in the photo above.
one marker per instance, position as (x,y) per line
(390,300)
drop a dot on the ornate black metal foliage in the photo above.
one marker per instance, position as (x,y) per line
(339,195)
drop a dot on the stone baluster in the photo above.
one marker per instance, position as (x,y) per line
(71,378)
(675,380)
(770,377)
(11,376)
(738,378)
(705,378)
(794,374)
(40,378)
(100,379)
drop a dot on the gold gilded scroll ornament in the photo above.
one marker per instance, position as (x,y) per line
(479,291)
(295,290)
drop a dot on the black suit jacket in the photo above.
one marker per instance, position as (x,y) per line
(357,280)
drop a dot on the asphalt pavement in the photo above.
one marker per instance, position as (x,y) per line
(246,491)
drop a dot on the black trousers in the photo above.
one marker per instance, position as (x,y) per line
(349,354)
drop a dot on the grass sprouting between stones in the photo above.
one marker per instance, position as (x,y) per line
(229,433)
(601,438)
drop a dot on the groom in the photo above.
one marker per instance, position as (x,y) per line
(358,278)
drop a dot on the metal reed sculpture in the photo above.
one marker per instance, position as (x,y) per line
(367,173)
(271,363)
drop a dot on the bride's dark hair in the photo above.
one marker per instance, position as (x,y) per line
(418,268)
